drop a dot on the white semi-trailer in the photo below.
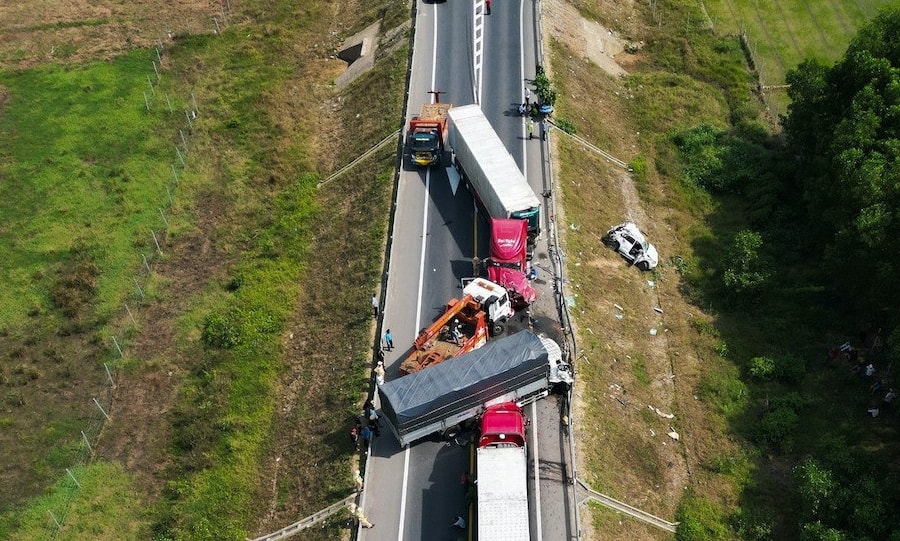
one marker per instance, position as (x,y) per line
(489,169)
(501,474)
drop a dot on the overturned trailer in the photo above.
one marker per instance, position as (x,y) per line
(519,368)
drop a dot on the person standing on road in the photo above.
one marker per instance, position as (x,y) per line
(379,373)
(374,305)
(545,127)
(366,437)
(373,423)
(527,97)
(487,7)
(388,340)
(358,480)
(530,129)
(357,513)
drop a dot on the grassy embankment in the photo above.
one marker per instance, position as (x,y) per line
(254,166)
(84,174)
(727,476)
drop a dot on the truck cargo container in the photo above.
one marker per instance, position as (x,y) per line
(522,368)
(489,169)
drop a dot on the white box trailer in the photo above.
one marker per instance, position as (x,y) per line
(490,170)
(502,475)
(502,494)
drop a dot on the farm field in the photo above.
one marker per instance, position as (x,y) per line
(102,157)
(781,34)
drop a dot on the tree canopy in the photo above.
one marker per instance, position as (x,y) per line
(844,128)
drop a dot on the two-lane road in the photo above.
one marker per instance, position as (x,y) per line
(414,493)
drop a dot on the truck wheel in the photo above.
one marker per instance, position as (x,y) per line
(643,265)
(497,328)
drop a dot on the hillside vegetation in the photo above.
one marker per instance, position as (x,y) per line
(228,412)
(767,249)
(241,361)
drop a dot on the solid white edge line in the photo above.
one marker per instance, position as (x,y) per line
(537,476)
(522,84)
(404,485)
(418,312)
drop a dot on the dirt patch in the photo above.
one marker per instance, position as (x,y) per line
(80,30)
(599,44)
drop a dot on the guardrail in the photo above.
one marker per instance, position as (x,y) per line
(596,150)
(622,507)
(359,158)
(307,522)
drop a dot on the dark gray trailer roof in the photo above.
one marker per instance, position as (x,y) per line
(437,392)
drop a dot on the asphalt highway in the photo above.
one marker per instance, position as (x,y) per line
(414,493)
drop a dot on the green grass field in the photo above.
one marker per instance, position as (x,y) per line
(79,179)
(784,33)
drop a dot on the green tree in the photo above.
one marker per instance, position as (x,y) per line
(844,126)
(748,269)
(816,486)
(816,531)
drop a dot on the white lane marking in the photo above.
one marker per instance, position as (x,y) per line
(537,474)
(522,79)
(405,483)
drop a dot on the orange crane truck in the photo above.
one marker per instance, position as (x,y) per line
(464,326)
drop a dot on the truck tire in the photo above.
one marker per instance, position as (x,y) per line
(498,328)
(643,265)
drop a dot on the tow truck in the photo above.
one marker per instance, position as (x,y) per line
(465,325)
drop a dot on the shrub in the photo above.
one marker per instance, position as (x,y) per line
(566,125)
(749,270)
(756,529)
(220,332)
(638,168)
(792,401)
(721,350)
(776,427)
(762,368)
(700,520)
(790,369)
(704,327)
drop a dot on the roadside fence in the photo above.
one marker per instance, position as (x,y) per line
(182,111)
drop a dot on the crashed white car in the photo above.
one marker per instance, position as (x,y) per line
(628,240)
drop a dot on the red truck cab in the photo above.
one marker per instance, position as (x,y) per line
(502,425)
(509,255)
